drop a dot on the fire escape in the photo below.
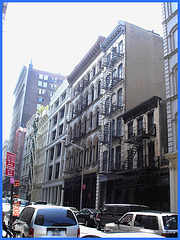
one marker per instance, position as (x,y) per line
(109,107)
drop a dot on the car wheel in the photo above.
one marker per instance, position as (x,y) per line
(86,223)
(98,226)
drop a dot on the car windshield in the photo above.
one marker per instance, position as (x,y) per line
(55,217)
(170,222)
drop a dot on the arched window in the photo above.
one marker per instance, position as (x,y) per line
(92,93)
(99,88)
(97,117)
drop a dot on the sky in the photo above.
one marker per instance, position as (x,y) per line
(56,36)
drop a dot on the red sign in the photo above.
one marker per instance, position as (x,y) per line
(10,164)
(83,186)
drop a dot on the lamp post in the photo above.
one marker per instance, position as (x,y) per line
(82,174)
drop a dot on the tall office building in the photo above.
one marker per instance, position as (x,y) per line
(170,29)
(33,89)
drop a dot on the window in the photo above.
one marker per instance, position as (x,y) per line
(119,97)
(118,158)
(130,130)
(140,157)
(63,96)
(55,120)
(50,172)
(94,71)
(119,126)
(45,77)
(97,118)
(86,99)
(38,106)
(100,65)
(113,127)
(105,160)
(57,170)
(90,153)
(99,88)
(56,103)
(40,83)
(126,220)
(140,126)
(92,94)
(53,135)
(58,149)
(120,47)
(107,81)
(60,129)
(112,160)
(120,72)
(114,77)
(40,76)
(91,121)
(108,58)
(45,84)
(170,8)
(62,113)
(174,39)
(151,152)
(40,99)
(175,79)
(51,153)
(150,121)
(88,77)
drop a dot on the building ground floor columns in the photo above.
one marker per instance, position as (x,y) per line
(53,193)
(153,192)
(72,189)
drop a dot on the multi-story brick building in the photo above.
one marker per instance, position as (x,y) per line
(53,181)
(170,29)
(117,74)
(33,89)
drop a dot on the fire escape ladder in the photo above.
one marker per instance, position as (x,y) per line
(131,153)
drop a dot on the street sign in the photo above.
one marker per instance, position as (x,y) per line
(10,164)
(83,186)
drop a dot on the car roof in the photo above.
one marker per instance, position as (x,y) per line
(122,204)
(153,213)
(40,206)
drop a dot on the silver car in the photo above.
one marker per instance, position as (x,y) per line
(164,224)
(47,221)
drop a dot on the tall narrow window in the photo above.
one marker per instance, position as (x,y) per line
(57,170)
(105,160)
(92,94)
(97,118)
(120,47)
(99,88)
(150,122)
(120,72)
(107,103)
(118,158)
(108,58)
(113,127)
(140,126)
(130,130)
(119,98)
(107,81)
(50,172)
(58,149)
(151,153)
(119,126)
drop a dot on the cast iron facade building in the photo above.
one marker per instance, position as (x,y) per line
(170,28)
(116,75)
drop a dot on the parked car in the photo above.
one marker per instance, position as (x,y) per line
(47,221)
(87,216)
(75,211)
(111,212)
(164,224)
(6,206)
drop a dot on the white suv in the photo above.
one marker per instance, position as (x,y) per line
(47,221)
(164,224)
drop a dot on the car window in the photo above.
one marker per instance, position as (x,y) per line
(170,222)
(111,209)
(126,220)
(140,221)
(56,217)
(152,223)
(26,214)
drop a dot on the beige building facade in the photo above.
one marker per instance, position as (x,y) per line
(170,29)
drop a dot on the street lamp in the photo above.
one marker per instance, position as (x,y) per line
(82,174)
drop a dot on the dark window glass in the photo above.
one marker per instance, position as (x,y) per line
(170,222)
(26,214)
(57,217)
